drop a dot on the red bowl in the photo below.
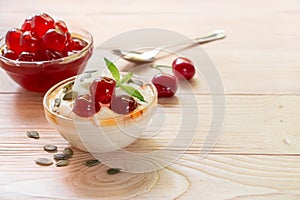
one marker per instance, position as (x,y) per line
(40,76)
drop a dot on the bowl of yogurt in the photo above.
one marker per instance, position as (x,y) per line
(101,112)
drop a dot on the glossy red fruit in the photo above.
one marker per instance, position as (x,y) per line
(183,68)
(102,89)
(54,40)
(9,54)
(12,40)
(26,26)
(61,25)
(123,104)
(76,45)
(52,55)
(28,42)
(41,23)
(165,84)
(84,106)
(27,56)
(68,38)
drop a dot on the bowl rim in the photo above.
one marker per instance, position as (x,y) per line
(106,121)
(67,59)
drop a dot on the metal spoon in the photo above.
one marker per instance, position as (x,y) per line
(149,56)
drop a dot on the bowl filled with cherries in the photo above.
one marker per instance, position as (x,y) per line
(43,52)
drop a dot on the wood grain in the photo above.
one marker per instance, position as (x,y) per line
(255,157)
(216,176)
(255,124)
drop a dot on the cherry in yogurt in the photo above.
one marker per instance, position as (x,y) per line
(85,106)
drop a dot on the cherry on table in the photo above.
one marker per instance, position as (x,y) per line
(41,23)
(165,84)
(102,89)
(123,104)
(12,40)
(85,106)
(183,68)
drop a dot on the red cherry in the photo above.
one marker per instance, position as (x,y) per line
(52,55)
(165,84)
(54,40)
(41,23)
(61,25)
(12,40)
(102,89)
(183,68)
(27,56)
(123,104)
(84,106)
(28,42)
(68,38)
(26,26)
(9,54)
(76,45)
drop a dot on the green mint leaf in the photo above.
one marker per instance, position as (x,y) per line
(126,78)
(113,69)
(133,92)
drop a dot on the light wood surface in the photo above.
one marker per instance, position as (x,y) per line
(258,153)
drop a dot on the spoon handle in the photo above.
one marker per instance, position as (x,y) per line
(215,35)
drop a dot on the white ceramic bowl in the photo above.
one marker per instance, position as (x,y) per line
(100,135)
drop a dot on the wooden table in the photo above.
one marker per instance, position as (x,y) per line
(258,153)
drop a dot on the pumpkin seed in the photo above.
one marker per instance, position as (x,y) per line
(68,152)
(43,161)
(136,82)
(139,83)
(113,171)
(55,109)
(90,163)
(70,95)
(57,102)
(68,87)
(50,147)
(33,134)
(60,156)
(85,76)
(62,163)
(91,71)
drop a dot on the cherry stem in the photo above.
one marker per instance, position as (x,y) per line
(158,67)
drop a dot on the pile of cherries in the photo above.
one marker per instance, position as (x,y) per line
(167,84)
(103,93)
(40,38)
